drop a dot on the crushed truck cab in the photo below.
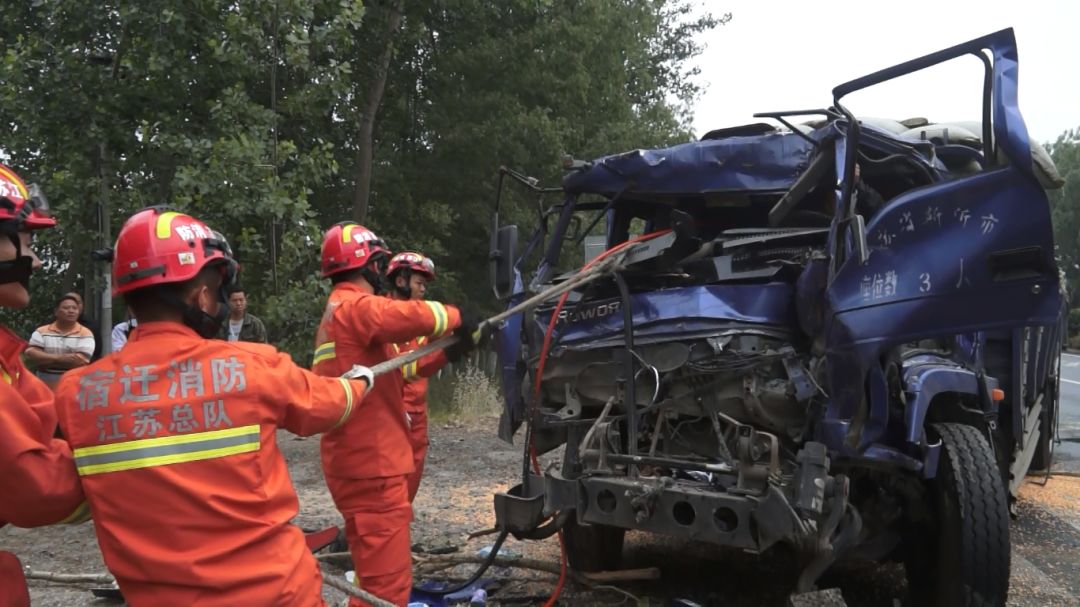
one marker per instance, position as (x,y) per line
(838,333)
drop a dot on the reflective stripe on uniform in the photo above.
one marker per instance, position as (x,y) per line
(79,515)
(166,450)
(348,402)
(4,375)
(325,351)
(441,318)
(411,370)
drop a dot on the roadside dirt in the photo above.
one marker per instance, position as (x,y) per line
(466,466)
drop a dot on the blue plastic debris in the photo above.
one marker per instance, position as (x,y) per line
(425,594)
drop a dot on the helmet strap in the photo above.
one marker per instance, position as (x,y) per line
(375,279)
(206,325)
(18,269)
(406,291)
(374,272)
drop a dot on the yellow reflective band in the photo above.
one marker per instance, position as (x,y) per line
(4,375)
(346,232)
(325,351)
(348,402)
(13,178)
(420,340)
(441,317)
(166,450)
(411,370)
(164,224)
(79,515)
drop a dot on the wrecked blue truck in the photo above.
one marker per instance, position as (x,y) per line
(836,333)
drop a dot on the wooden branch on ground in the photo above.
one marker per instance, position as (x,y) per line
(69,578)
(451,560)
(482,533)
(351,590)
(333,555)
(625,575)
(104,578)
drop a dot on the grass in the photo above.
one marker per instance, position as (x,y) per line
(464,394)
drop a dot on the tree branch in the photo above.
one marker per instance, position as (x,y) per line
(365,152)
(354,591)
(69,578)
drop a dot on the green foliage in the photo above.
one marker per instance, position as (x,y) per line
(1074,321)
(1065,207)
(246,114)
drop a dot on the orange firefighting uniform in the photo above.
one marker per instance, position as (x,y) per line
(366,467)
(416,377)
(37,474)
(13,590)
(174,438)
(38,481)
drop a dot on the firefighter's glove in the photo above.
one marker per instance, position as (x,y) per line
(471,334)
(361,372)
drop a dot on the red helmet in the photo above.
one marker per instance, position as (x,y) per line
(414,262)
(25,205)
(348,246)
(157,246)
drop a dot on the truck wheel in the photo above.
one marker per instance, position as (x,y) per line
(963,559)
(593,547)
(1044,450)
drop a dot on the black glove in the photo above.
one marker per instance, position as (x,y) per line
(471,335)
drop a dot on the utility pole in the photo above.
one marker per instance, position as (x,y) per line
(105,227)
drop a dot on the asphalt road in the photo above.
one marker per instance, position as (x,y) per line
(1068,451)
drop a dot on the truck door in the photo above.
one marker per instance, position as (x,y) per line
(956,256)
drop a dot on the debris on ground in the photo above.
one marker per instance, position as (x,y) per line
(819,598)
(467,464)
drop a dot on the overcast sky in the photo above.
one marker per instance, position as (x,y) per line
(787,55)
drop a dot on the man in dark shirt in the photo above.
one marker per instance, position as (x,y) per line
(241,326)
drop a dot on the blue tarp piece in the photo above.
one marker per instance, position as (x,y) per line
(440,600)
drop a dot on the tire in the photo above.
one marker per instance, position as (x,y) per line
(1044,450)
(962,559)
(593,547)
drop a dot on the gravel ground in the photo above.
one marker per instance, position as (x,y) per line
(467,464)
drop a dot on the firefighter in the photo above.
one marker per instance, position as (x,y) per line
(367,468)
(174,436)
(409,274)
(38,481)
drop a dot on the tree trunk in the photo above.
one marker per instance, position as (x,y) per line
(366,151)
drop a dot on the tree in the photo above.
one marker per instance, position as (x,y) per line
(1065,206)
(267,118)
(519,83)
(375,89)
(207,106)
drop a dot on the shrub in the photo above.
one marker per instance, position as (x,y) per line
(476,396)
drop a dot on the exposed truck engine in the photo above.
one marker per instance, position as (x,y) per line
(842,335)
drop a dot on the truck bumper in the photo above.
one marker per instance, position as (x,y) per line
(664,506)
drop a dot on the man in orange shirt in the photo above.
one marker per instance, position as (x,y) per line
(409,275)
(174,436)
(367,467)
(37,474)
